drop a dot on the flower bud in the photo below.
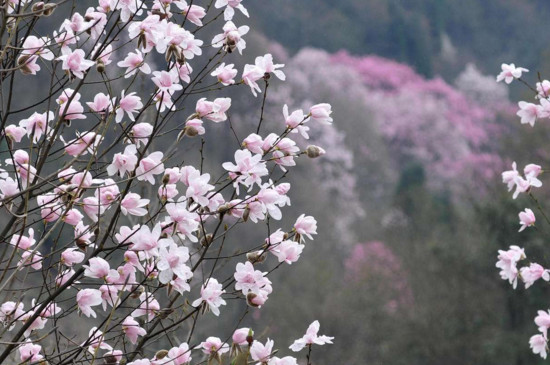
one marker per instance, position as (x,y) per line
(206,240)
(256,257)
(313,151)
(109,359)
(246,214)
(139,290)
(48,9)
(161,354)
(250,301)
(38,8)
(100,66)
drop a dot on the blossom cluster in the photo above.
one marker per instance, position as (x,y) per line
(121,230)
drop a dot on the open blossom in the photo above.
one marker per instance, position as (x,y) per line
(248,169)
(128,104)
(306,225)
(507,263)
(526,219)
(37,46)
(75,62)
(211,294)
(287,251)
(172,259)
(167,81)
(510,72)
(532,273)
(214,346)
(231,37)
(102,104)
(88,298)
(542,320)
(311,338)
(133,204)
(225,74)
(193,13)
(29,352)
(539,345)
(134,62)
(23,242)
(321,113)
(250,280)
(260,352)
(132,329)
(37,124)
(179,355)
(123,162)
(230,6)
(72,256)
(530,112)
(150,166)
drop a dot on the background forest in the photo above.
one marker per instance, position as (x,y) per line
(415,211)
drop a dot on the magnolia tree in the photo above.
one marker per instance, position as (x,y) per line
(513,263)
(113,246)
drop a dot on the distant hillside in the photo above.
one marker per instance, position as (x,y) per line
(434,36)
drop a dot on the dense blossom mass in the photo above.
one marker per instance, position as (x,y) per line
(124,226)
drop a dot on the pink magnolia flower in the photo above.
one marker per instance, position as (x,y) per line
(86,299)
(321,113)
(311,338)
(295,121)
(214,346)
(526,219)
(240,335)
(510,72)
(37,124)
(148,306)
(11,311)
(73,217)
(248,169)
(530,112)
(98,268)
(211,294)
(8,187)
(72,256)
(75,62)
(287,360)
(150,166)
(230,6)
(194,12)
(123,162)
(37,46)
(250,280)
(507,263)
(260,352)
(287,251)
(180,355)
(167,82)
(82,144)
(134,62)
(172,259)
(133,204)
(225,74)
(30,352)
(184,72)
(539,345)
(306,225)
(140,133)
(132,330)
(542,320)
(231,38)
(532,273)
(146,239)
(102,104)
(128,104)
(72,110)
(15,133)
(23,242)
